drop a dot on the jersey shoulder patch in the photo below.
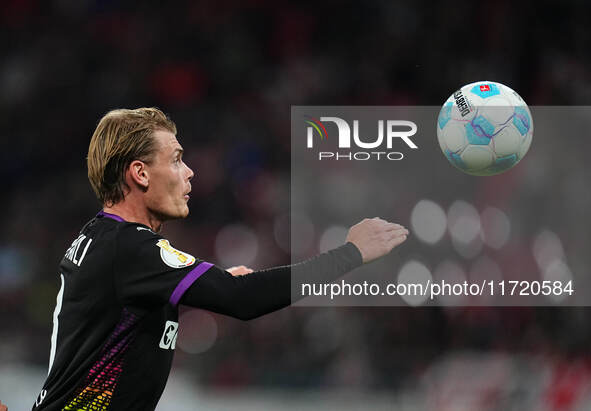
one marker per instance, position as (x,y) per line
(172,257)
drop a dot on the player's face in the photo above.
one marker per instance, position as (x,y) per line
(169,186)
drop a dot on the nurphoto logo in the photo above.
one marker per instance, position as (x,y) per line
(388,131)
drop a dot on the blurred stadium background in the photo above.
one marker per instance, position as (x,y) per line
(227,72)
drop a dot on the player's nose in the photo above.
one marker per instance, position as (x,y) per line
(190,174)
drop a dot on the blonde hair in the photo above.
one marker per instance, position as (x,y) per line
(121,137)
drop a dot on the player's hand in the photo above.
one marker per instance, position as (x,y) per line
(3,407)
(236,271)
(376,237)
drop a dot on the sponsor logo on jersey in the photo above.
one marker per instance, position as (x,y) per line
(173,257)
(171,331)
(145,228)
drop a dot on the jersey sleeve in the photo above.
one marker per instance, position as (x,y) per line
(150,271)
(260,292)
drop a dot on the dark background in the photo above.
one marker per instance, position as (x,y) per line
(227,73)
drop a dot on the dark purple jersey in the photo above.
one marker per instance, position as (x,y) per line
(115,323)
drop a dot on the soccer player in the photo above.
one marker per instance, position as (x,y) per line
(115,323)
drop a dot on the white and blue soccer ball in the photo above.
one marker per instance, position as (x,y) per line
(484,128)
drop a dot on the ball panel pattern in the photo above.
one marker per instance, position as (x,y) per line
(485,128)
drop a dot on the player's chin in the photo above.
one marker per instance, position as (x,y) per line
(184,211)
(181,211)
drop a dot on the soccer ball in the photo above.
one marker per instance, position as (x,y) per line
(484,128)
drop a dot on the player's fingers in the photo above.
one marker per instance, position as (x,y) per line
(379,220)
(398,232)
(396,241)
(393,226)
(238,271)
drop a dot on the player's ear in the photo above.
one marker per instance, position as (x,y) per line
(138,173)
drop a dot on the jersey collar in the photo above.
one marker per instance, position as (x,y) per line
(111,216)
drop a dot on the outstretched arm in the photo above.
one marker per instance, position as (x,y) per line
(260,292)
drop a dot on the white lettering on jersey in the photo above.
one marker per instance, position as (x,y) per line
(168,340)
(56,313)
(40,398)
(72,252)
(173,257)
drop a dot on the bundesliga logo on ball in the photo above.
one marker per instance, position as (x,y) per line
(485,128)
